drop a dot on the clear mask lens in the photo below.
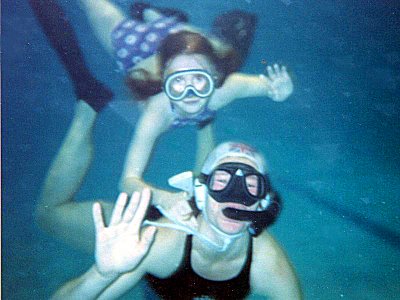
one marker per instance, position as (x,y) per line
(220,179)
(194,82)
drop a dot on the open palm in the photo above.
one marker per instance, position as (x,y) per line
(121,246)
(279,82)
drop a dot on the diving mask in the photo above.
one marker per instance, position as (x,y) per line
(236,182)
(185,83)
(245,182)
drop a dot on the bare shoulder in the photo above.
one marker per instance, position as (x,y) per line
(266,249)
(158,104)
(272,273)
(166,253)
(157,111)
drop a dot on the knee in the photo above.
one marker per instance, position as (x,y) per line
(42,216)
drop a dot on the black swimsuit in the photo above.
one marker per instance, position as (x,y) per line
(185,284)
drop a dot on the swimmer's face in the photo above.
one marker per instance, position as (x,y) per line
(223,223)
(215,209)
(189,91)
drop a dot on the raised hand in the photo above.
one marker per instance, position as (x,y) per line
(121,246)
(280,85)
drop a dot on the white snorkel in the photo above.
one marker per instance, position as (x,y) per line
(184,182)
(194,188)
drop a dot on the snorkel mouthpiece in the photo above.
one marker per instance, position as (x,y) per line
(184,181)
(269,201)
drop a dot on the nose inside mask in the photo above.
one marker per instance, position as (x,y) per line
(190,93)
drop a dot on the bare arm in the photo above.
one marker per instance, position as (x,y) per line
(205,144)
(151,125)
(272,274)
(87,286)
(277,85)
(120,247)
(125,252)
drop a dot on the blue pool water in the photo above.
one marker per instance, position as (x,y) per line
(332,147)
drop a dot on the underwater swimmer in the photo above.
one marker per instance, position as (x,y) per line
(223,259)
(197,103)
(57,212)
(162,58)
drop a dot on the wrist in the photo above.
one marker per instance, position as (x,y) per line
(267,85)
(102,275)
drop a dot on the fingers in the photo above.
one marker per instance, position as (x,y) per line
(148,234)
(118,209)
(276,71)
(132,206)
(285,74)
(271,73)
(98,218)
(134,211)
(140,212)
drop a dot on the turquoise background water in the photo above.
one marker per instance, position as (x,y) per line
(332,147)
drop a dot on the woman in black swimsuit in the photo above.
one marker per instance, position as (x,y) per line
(228,256)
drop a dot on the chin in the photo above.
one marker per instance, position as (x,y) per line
(230,226)
(193,106)
(193,111)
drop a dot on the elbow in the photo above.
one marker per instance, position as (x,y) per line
(129,184)
(124,185)
(45,217)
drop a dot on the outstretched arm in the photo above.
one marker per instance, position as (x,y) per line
(151,125)
(276,85)
(205,144)
(120,247)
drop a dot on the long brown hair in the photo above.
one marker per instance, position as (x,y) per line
(144,86)
(183,42)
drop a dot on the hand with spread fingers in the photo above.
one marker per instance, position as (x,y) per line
(121,245)
(280,84)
